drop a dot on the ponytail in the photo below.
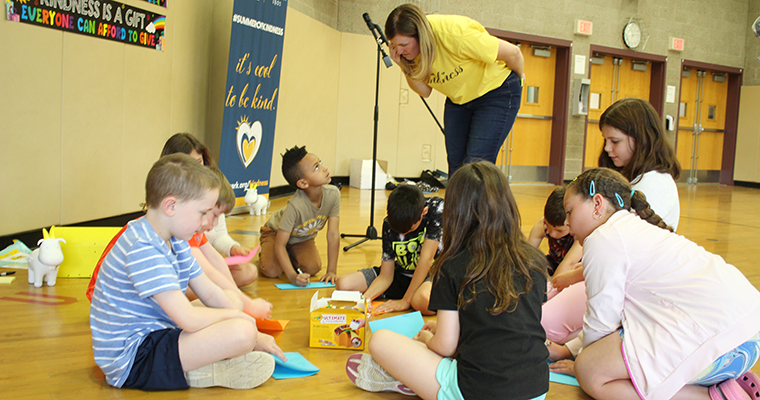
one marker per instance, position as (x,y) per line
(641,206)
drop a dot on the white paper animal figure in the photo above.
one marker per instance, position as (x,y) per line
(44,261)
(256,202)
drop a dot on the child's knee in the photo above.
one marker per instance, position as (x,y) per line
(269,270)
(311,267)
(347,282)
(380,341)
(342,283)
(245,274)
(242,335)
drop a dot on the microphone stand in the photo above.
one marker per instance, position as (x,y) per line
(371,233)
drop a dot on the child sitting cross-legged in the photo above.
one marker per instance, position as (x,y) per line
(488,286)
(145,333)
(411,240)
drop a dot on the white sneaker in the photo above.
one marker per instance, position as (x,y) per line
(367,374)
(243,372)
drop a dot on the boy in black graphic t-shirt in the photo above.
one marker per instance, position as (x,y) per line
(411,241)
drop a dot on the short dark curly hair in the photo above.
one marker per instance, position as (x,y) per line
(405,205)
(290,168)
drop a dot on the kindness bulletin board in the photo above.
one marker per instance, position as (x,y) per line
(103,19)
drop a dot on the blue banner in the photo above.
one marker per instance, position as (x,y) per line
(250,97)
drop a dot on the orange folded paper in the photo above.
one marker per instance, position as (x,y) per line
(272,325)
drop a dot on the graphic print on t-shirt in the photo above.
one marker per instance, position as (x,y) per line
(441,77)
(310,227)
(407,251)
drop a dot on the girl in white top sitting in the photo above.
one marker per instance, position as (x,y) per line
(634,145)
(665,318)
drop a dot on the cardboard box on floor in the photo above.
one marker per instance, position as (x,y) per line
(361,174)
(337,322)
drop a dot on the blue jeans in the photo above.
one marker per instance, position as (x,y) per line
(476,130)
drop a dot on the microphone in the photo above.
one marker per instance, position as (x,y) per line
(374,27)
(379,37)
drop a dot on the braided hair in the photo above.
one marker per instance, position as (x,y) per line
(617,190)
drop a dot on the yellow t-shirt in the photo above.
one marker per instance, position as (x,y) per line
(465,65)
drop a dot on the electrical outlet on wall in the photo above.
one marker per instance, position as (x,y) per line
(426,152)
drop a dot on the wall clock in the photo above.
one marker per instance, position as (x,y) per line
(632,35)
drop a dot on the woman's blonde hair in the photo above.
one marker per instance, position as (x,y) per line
(409,20)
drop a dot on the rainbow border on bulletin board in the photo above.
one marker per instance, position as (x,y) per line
(161,3)
(104,19)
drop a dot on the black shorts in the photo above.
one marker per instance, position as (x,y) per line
(398,287)
(157,365)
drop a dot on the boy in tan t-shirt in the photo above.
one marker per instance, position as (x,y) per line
(287,239)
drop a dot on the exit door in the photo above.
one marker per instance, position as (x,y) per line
(701,124)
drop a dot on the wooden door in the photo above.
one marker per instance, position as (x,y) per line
(529,142)
(701,126)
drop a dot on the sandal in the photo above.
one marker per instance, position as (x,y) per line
(728,390)
(750,382)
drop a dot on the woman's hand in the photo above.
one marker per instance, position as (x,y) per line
(395,56)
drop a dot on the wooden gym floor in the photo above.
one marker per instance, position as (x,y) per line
(45,347)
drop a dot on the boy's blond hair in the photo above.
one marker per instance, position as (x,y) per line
(226,201)
(178,175)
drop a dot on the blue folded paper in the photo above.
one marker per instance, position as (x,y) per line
(562,378)
(311,285)
(406,324)
(296,367)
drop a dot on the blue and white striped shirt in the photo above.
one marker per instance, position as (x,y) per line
(123,311)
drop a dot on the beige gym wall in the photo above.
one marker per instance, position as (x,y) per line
(83,119)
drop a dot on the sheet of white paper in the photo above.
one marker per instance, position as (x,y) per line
(670,97)
(593,101)
(580,64)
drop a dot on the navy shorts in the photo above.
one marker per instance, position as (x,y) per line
(398,287)
(157,365)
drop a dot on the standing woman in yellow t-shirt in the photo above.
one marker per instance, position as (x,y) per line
(480,74)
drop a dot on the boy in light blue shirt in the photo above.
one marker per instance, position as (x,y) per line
(145,333)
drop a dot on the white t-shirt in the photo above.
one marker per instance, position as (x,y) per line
(662,195)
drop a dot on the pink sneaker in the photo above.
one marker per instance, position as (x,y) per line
(750,382)
(728,390)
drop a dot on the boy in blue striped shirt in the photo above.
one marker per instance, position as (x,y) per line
(145,333)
